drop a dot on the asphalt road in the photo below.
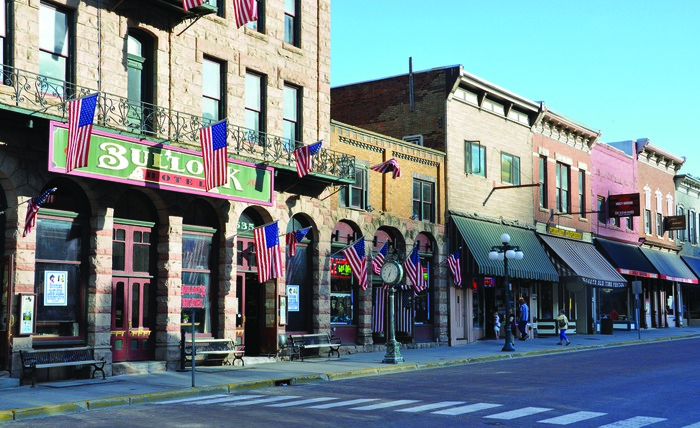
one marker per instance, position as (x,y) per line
(655,384)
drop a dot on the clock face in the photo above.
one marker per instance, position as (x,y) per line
(391,272)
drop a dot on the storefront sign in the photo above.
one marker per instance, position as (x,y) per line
(623,205)
(193,296)
(293,298)
(144,163)
(565,233)
(55,288)
(340,268)
(674,222)
(26,311)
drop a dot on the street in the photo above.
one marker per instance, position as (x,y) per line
(628,386)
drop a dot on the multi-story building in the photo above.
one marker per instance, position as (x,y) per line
(688,207)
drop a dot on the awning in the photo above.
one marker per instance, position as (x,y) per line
(693,263)
(480,236)
(580,261)
(670,266)
(628,259)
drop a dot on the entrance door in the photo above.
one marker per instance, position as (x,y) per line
(5,312)
(131,333)
(253,313)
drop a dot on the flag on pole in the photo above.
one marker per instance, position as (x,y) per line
(381,297)
(453,263)
(414,271)
(32,208)
(392,165)
(245,11)
(356,256)
(303,154)
(293,238)
(404,308)
(81,114)
(267,252)
(189,4)
(378,260)
(214,154)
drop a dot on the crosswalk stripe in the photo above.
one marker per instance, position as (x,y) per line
(302,402)
(261,400)
(182,400)
(386,405)
(519,413)
(639,421)
(572,418)
(695,425)
(226,399)
(467,409)
(343,403)
(433,406)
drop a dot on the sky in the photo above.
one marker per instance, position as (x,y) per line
(627,68)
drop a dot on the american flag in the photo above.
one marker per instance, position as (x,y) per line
(214,154)
(267,252)
(245,11)
(392,165)
(379,258)
(303,154)
(404,308)
(453,263)
(32,208)
(414,271)
(293,238)
(381,296)
(81,113)
(355,254)
(189,4)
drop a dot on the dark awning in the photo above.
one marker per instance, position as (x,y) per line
(628,259)
(693,263)
(670,266)
(580,261)
(480,236)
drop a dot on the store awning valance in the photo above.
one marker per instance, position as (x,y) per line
(480,236)
(670,266)
(693,263)
(580,261)
(627,259)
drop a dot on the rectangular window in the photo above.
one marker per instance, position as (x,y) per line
(212,90)
(692,234)
(291,22)
(254,105)
(659,225)
(259,24)
(53,47)
(629,223)
(602,217)
(562,188)
(615,221)
(196,276)
(510,169)
(647,222)
(543,181)
(355,195)
(681,233)
(4,43)
(292,115)
(423,200)
(474,158)
(582,193)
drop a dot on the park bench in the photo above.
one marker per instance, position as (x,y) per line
(316,341)
(33,360)
(212,349)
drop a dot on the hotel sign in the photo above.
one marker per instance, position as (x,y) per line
(143,163)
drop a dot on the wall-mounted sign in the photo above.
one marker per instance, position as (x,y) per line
(626,205)
(193,296)
(674,222)
(143,163)
(27,309)
(565,233)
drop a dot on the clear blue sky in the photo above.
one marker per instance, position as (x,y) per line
(629,68)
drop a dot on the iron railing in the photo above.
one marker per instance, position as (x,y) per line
(47,97)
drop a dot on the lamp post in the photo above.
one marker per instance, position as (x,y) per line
(505,252)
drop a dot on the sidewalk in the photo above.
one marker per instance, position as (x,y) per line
(83,395)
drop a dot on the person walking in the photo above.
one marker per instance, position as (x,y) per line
(497,324)
(512,325)
(523,319)
(563,324)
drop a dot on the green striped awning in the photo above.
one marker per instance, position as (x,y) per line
(480,236)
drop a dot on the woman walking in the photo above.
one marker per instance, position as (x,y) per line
(563,324)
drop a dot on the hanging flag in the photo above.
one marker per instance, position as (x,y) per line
(189,4)
(303,154)
(404,308)
(414,271)
(293,238)
(245,11)
(267,252)
(81,114)
(355,254)
(392,165)
(453,263)
(381,296)
(214,154)
(379,258)
(32,208)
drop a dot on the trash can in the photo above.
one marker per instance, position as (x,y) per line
(606,326)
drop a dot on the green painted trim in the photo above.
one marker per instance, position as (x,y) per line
(129,222)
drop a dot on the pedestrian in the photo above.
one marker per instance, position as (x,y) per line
(512,326)
(563,324)
(497,324)
(523,319)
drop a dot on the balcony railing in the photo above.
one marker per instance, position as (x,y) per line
(47,97)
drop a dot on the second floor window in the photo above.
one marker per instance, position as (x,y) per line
(254,102)
(582,193)
(292,115)
(355,195)
(543,181)
(53,44)
(692,233)
(659,225)
(423,200)
(4,43)
(681,233)
(510,169)
(474,158)
(259,24)
(291,22)
(647,222)
(212,90)
(602,218)
(562,193)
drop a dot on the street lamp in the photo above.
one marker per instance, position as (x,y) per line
(505,252)
(391,274)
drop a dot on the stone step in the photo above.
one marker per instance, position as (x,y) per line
(137,367)
(8,382)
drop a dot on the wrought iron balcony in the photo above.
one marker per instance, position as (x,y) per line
(46,97)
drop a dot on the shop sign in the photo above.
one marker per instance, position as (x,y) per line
(674,222)
(340,268)
(623,205)
(193,296)
(565,233)
(144,163)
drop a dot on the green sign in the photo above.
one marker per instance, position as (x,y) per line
(144,163)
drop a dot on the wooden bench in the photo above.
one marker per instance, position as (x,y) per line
(316,341)
(33,360)
(209,346)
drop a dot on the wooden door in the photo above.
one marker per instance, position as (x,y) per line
(131,332)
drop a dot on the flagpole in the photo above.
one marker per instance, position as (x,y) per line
(265,225)
(443,262)
(25,202)
(348,246)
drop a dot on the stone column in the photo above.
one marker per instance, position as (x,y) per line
(99,286)
(169,292)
